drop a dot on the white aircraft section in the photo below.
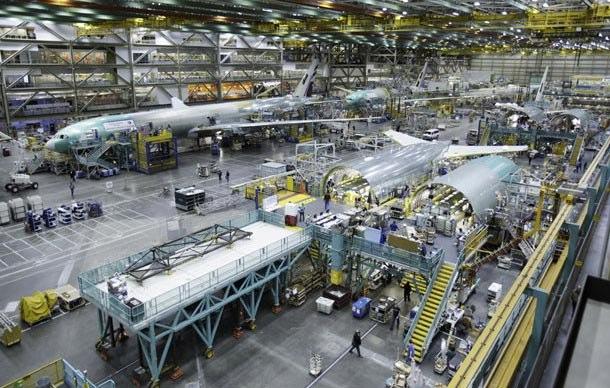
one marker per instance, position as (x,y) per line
(455,151)
(282,122)
(263,234)
(402,139)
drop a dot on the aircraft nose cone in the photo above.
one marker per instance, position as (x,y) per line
(57,145)
(50,145)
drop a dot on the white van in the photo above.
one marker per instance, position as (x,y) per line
(431,134)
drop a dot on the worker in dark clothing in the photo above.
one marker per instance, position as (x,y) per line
(227,176)
(326,201)
(407,292)
(219,176)
(72,189)
(395,317)
(424,251)
(356,342)
(393,226)
(574,297)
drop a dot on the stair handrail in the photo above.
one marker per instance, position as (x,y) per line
(423,301)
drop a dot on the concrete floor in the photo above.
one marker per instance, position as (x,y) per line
(137,217)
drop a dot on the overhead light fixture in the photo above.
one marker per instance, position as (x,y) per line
(545,4)
(476,3)
(504,12)
(404,12)
(384,9)
(455,13)
(267,10)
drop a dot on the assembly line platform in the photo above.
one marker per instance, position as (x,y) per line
(206,271)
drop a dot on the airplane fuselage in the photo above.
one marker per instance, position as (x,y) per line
(184,121)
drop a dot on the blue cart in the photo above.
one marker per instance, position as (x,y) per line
(361,307)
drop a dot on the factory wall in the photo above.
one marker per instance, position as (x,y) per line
(522,69)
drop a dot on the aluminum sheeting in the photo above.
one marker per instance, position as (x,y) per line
(387,170)
(480,180)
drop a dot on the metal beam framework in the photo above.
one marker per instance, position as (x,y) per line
(167,256)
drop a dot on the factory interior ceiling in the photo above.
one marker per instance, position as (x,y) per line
(444,25)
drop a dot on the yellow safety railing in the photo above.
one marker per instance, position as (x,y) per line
(53,370)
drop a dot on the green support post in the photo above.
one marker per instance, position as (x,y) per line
(542,297)
(572,250)
(603,182)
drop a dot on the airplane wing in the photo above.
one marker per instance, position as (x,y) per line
(403,139)
(457,151)
(244,125)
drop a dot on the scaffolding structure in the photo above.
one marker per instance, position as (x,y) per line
(155,153)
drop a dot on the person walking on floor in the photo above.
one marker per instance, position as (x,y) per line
(72,189)
(356,342)
(301,212)
(227,176)
(407,292)
(326,201)
(395,317)
(574,297)
(219,176)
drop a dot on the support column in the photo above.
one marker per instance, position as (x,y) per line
(592,195)
(275,291)
(541,296)
(572,248)
(337,256)
(603,182)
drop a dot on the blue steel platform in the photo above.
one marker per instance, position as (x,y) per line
(198,303)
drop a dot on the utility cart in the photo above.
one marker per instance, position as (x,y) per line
(64,214)
(69,298)
(382,309)
(78,211)
(50,217)
(10,332)
(33,222)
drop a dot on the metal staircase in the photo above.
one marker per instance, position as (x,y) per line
(485,136)
(578,143)
(425,323)
(35,164)
(99,151)
(419,283)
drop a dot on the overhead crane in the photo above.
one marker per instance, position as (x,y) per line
(518,324)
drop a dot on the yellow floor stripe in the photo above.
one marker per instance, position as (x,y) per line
(296,199)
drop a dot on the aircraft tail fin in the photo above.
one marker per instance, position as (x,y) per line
(177,103)
(304,87)
(540,94)
(419,83)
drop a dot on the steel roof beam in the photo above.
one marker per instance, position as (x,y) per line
(452,5)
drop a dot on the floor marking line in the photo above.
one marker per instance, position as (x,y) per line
(65,274)
(338,359)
